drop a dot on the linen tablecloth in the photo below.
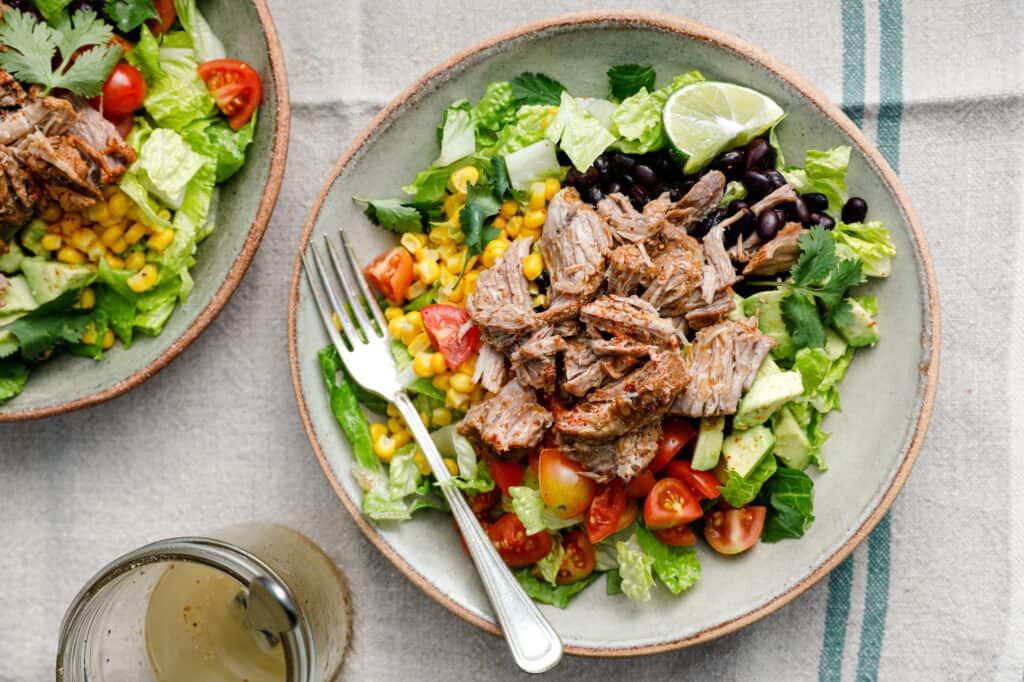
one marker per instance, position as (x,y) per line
(936,593)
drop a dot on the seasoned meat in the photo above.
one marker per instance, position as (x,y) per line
(781,195)
(641,397)
(622,345)
(713,312)
(717,271)
(616,366)
(629,267)
(11,92)
(720,365)
(98,140)
(630,316)
(624,457)
(501,304)
(490,371)
(60,171)
(50,116)
(701,200)
(629,224)
(779,254)
(575,243)
(508,423)
(18,195)
(583,372)
(678,273)
(534,361)
(744,247)
(597,457)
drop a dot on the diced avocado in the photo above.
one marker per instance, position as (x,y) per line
(769,320)
(17,298)
(744,450)
(32,237)
(834,345)
(737,312)
(767,368)
(709,443)
(8,343)
(765,397)
(858,328)
(791,443)
(48,279)
(10,260)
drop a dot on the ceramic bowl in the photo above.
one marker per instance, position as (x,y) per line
(887,395)
(246,201)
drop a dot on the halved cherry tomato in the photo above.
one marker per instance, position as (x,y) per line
(505,474)
(517,548)
(485,523)
(235,86)
(451,331)
(677,536)
(123,91)
(566,491)
(482,502)
(391,274)
(628,516)
(606,510)
(671,503)
(704,482)
(731,531)
(579,560)
(164,8)
(640,484)
(675,433)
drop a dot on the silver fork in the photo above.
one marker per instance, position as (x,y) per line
(365,349)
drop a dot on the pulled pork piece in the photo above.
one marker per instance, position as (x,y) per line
(623,458)
(490,371)
(583,371)
(630,316)
(781,195)
(60,171)
(640,398)
(713,312)
(50,116)
(18,195)
(98,140)
(720,365)
(779,254)
(697,204)
(575,243)
(501,305)
(623,345)
(677,274)
(11,92)
(717,270)
(629,267)
(741,251)
(534,361)
(508,423)
(629,224)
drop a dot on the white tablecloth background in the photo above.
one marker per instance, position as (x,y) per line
(215,438)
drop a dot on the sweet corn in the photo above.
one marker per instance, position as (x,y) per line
(393,411)
(456,294)
(425,418)
(87,299)
(144,279)
(108,340)
(453,263)
(82,238)
(463,178)
(96,251)
(118,204)
(456,399)
(452,204)
(394,425)
(529,234)
(415,290)
(51,213)
(428,271)
(551,188)
(89,337)
(52,242)
(408,335)
(533,265)
(136,232)
(515,226)
(114,261)
(470,282)
(452,465)
(469,366)
(135,261)
(399,326)
(163,214)
(534,219)
(421,462)
(384,447)
(442,416)
(98,212)
(110,235)
(422,366)
(442,382)
(500,223)
(537,200)
(378,430)
(70,222)
(439,235)
(462,383)
(401,438)
(392,313)
(509,208)
(414,318)
(120,246)
(539,300)
(413,242)
(161,240)
(419,346)
(70,255)
(437,363)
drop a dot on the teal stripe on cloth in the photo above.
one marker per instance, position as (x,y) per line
(876,602)
(853,60)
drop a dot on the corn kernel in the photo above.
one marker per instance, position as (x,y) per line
(534,219)
(533,265)
(456,294)
(161,240)
(452,465)
(144,279)
(397,327)
(456,399)
(441,382)
(500,223)
(413,242)
(395,425)
(70,222)
(89,337)
(135,261)
(537,201)
(82,238)
(539,300)
(109,191)
(98,212)
(515,226)
(414,318)
(70,255)
(425,418)
(52,242)
(551,188)
(422,366)
(437,363)
(384,447)
(463,383)
(96,251)
(439,235)
(415,290)
(110,235)
(419,345)
(470,282)
(529,234)
(428,271)
(136,232)
(114,261)
(118,205)
(108,340)
(421,462)
(163,214)
(120,246)
(509,208)
(463,178)
(442,416)
(378,430)
(453,263)
(51,213)
(393,313)
(452,204)
(401,438)
(479,394)
(87,299)
(393,411)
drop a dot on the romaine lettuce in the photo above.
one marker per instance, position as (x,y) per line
(528,505)
(180,96)
(495,110)
(870,243)
(166,165)
(146,56)
(458,139)
(549,565)
(214,137)
(556,595)
(739,491)
(578,133)
(637,122)
(634,569)
(204,41)
(824,171)
(789,495)
(536,162)
(528,128)
(677,567)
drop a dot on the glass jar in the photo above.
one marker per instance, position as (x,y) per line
(261,601)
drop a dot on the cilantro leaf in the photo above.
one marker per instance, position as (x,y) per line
(51,9)
(393,214)
(129,14)
(625,80)
(480,205)
(81,30)
(817,257)
(803,321)
(789,495)
(30,47)
(847,274)
(502,187)
(81,77)
(536,88)
(13,375)
(50,324)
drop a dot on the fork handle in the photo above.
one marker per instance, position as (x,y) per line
(535,645)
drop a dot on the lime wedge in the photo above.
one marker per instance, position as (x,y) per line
(704,119)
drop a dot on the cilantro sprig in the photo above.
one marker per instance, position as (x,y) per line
(32,48)
(819,278)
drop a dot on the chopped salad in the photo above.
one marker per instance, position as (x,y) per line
(624,319)
(118,122)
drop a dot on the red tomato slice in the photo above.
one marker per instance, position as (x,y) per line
(123,91)
(628,516)
(482,502)
(731,531)
(566,491)
(675,433)
(484,523)
(164,8)
(517,548)
(704,482)
(390,273)
(452,332)
(606,510)
(640,484)
(671,503)
(677,536)
(580,558)
(235,86)
(505,474)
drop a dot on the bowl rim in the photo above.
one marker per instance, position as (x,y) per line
(271,189)
(928,367)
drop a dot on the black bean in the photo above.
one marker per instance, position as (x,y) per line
(823,219)
(591,177)
(775,179)
(613,187)
(728,161)
(665,167)
(685,186)
(744,225)
(757,183)
(800,212)
(573,177)
(645,175)
(816,201)
(622,162)
(715,217)
(592,194)
(601,164)
(675,192)
(639,196)
(660,189)
(855,210)
(759,154)
(542,281)
(768,225)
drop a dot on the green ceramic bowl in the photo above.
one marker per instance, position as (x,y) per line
(69,383)
(887,395)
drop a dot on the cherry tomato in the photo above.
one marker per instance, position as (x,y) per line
(675,433)
(235,86)
(579,560)
(671,503)
(482,502)
(516,547)
(391,274)
(566,491)
(123,91)
(704,482)
(451,332)
(505,474)
(731,531)
(628,516)
(677,536)
(606,510)
(640,484)
(484,523)
(165,8)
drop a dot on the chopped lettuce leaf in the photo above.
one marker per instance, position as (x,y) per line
(13,375)
(677,567)
(548,594)
(536,162)
(204,41)
(773,140)
(146,56)
(430,184)
(166,165)
(528,505)
(531,121)
(154,307)
(549,565)
(56,322)
(821,377)
(789,495)
(734,191)
(214,137)
(810,421)
(403,474)
(578,133)
(180,96)
(637,122)
(601,109)
(870,243)
(824,172)
(495,110)
(118,311)
(458,139)
(634,569)
(740,491)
